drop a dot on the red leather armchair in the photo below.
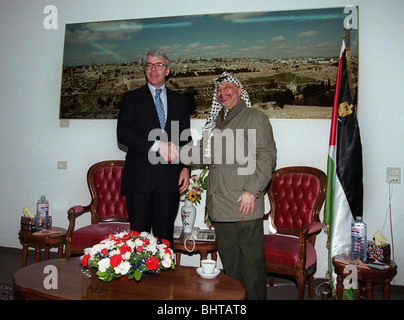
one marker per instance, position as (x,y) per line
(107,208)
(296,196)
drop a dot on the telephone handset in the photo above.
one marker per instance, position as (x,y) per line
(194,233)
(199,235)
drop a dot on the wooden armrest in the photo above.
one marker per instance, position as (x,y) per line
(314,227)
(76,211)
(72,214)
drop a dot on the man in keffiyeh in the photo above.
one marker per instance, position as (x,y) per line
(235,192)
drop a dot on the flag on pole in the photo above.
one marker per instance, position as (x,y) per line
(344,196)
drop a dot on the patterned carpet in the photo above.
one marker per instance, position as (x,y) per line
(6,291)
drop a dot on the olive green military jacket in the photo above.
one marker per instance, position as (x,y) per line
(243,157)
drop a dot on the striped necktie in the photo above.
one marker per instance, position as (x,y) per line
(160,109)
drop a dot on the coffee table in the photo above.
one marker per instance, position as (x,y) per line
(76,283)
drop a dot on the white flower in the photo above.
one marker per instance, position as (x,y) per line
(89,251)
(114,252)
(131,244)
(163,253)
(138,243)
(166,262)
(153,242)
(97,248)
(123,268)
(144,234)
(103,265)
(126,255)
(152,248)
(121,234)
(109,244)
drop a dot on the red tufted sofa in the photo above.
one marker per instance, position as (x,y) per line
(107,208)
(296,196)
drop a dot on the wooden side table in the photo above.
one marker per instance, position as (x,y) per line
(364,274)
(201,247)
(43,239)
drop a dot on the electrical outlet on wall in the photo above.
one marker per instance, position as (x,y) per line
(393,175)
(62,164)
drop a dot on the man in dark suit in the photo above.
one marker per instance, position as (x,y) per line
(148,120)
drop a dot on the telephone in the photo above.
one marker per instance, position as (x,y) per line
(203,235)
(199,235)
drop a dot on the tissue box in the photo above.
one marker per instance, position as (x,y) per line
(29,223)
(378,253)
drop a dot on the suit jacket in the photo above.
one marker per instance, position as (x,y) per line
(137,118)
(227,181)
(231,174)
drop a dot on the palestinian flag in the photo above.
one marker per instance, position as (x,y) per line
(344,197)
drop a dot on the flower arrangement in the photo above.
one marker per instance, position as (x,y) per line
(129,254)
(196,186)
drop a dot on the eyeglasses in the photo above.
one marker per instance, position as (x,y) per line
(158,66)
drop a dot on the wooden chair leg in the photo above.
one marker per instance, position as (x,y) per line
(67,251)
(310,281)
(271,281)
(300,288)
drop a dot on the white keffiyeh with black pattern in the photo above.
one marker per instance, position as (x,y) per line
(216,107)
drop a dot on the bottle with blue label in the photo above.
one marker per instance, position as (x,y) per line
(358,239)
(42,214)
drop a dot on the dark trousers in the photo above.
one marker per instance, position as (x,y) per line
(153,211)
(241,249)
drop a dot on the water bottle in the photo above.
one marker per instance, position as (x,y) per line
(358,239)
(42,213)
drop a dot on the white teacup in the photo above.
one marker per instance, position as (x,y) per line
(208,266)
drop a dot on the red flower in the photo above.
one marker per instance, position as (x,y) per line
(134,233)
(139,249)
(84,260)
(166,242)
(125,248)
(104,252)
(168,251)
(146,242)
(152,263)
(115,260)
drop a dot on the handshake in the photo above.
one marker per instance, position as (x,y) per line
(168,151)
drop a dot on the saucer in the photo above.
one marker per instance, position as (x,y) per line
(208,275)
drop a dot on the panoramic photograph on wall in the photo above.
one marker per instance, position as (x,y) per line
(287,60)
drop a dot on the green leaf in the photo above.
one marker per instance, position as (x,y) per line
(101,274)
(348,294)
(138,275)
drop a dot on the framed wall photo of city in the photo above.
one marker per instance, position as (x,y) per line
(287,60)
